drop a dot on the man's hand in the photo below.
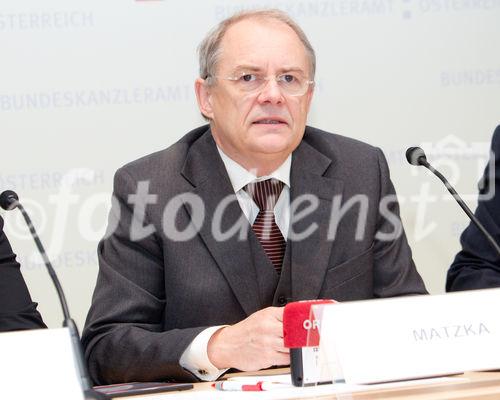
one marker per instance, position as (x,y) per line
(252,344)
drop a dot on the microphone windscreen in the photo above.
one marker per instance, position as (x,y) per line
(298,329)
(8,199)
(414,155)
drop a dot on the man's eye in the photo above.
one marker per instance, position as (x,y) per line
(248,77)
(288,78)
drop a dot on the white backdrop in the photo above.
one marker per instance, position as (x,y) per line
(86,86)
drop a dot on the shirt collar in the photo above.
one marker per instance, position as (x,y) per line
(240,177)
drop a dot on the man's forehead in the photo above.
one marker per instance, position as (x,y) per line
(258,41)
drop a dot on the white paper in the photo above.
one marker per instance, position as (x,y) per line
(38,364)
(284,378)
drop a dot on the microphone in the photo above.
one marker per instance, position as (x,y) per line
(301,336)
(9,200)
(297,326)
(416,156)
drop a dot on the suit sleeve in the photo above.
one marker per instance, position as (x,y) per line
(17,311)
(477,265)
(395,273)
(124,337)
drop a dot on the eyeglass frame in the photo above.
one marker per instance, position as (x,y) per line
(265,78)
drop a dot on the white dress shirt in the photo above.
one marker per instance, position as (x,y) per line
(195,358)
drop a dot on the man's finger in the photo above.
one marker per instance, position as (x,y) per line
(278,313)
(279,347)
(283,350)
(282,359)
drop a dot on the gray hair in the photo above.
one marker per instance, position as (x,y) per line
(209,49)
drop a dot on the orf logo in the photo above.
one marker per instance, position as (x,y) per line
(308,324)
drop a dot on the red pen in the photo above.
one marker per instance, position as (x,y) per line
(245,387)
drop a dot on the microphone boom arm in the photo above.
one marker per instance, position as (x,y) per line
(422,161)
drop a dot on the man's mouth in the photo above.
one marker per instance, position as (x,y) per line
(270,121)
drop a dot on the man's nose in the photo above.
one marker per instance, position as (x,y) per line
(271,92)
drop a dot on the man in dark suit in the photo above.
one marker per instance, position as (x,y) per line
(477,265)
(209,238)
(17,311)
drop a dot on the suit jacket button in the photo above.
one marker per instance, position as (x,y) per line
(282,300)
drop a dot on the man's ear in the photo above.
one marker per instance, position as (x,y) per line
(203,94)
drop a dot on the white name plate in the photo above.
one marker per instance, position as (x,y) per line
(412,337)
(38,364)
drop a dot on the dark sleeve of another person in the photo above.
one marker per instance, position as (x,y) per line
(477,265)
(17,311)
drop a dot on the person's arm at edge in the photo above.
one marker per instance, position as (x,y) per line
(477,264)
(17,310)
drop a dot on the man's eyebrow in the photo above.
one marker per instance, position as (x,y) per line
(291,69)
(251,68)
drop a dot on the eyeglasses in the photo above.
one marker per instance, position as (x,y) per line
(291,83)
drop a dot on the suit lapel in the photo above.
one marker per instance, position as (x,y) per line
(310,255)
(205,170)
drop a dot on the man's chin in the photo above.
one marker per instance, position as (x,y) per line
(273,139)
(274,144)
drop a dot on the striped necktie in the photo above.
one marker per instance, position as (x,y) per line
(265,194)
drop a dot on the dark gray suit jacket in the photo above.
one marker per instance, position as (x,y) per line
(155,295)
(17,310)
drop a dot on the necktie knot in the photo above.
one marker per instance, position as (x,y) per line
(265,193)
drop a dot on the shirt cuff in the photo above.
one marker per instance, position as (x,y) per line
(195,357)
